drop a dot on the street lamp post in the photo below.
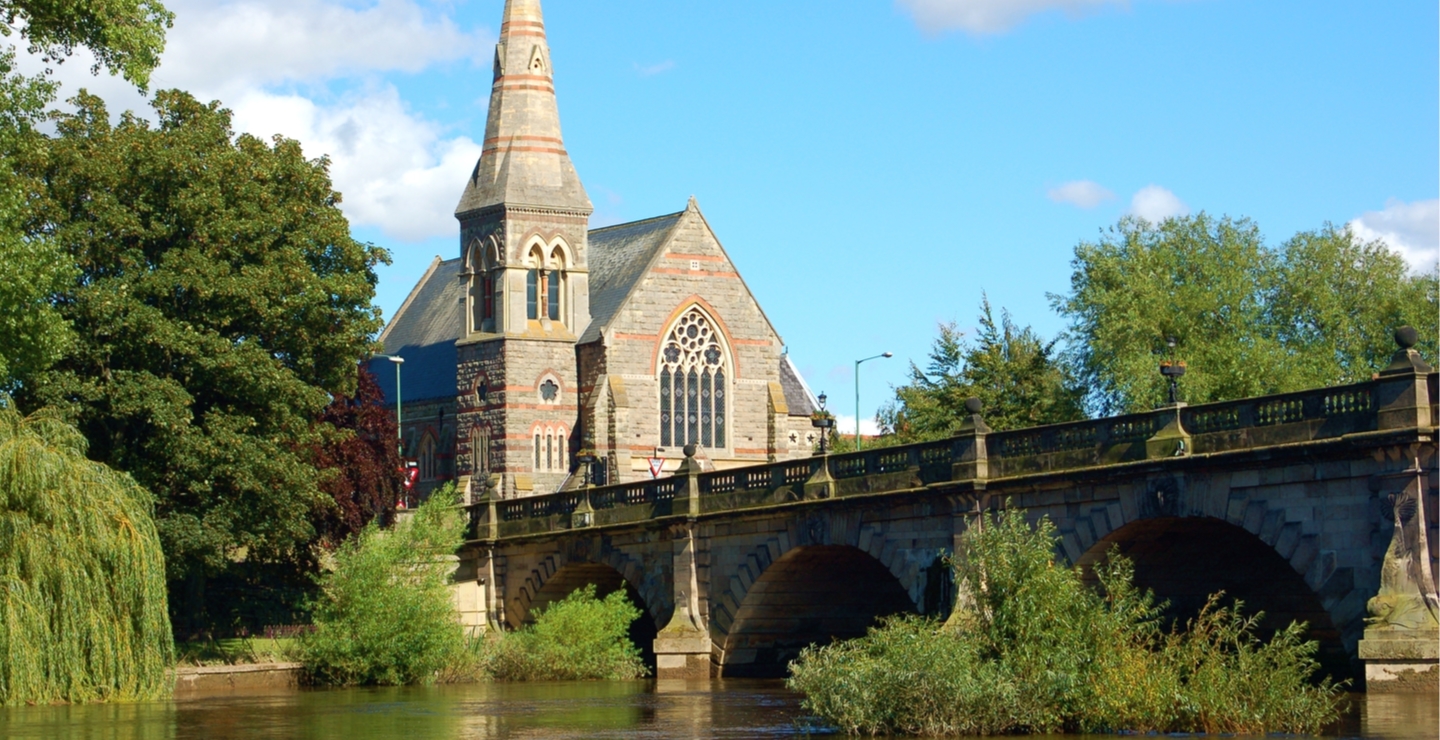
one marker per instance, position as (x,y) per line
(886,355)
(399,434)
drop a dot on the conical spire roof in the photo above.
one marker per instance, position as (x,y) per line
(523,161)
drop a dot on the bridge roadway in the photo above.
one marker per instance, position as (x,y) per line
(1283,501)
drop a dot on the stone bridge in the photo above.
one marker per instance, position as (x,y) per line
(1287,502)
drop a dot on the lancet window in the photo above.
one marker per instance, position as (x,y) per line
(426,462)
(693,390)
(545,285)
(484,280)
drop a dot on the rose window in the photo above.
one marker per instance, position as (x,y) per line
(692,384)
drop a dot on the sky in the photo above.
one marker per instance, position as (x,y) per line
(873,167)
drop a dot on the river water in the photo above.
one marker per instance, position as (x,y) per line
(634,710)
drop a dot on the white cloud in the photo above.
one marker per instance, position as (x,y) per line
(217,47)
(846,425)
(1412,229)
(654,69)
(1082,193)
(266,60)
(1155,204)
(394,169)
(993,16)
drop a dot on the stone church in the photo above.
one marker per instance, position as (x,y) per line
(545,338)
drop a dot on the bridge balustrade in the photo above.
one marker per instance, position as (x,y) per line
(1208,428)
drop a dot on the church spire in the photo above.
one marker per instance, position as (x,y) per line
(523,160)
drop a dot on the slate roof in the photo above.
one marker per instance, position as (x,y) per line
(797,394)
(618,256)
(423,332)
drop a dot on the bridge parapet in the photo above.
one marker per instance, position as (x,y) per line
(1390,403)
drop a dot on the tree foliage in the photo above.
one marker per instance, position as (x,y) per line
(358,459)
(581,637)
(1032,649)
(385,614)
(126,36)
(221,303)
(33,269)
(1013,372)
(1249,320)
(82,581)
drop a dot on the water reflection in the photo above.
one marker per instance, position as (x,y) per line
(618,709)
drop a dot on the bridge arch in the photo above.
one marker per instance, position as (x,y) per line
(1184,559)
(811,594)
(553,578)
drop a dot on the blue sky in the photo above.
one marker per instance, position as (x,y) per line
(871,167)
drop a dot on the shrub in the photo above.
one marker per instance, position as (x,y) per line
(579,637)
(1031,649)
(385,614)
(82,578)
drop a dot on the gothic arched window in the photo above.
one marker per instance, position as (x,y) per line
(693,391)
(480,451)
(427,457)
(484,277)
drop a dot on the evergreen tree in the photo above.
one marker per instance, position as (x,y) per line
(1010,369)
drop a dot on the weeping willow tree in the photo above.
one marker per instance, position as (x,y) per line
(82,579)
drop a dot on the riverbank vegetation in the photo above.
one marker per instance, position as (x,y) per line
(1031,649)
(578,638)
(385,614)
(82,579)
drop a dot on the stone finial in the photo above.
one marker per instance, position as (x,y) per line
(973,422)
(689,451)
(1406,359)
(692,204)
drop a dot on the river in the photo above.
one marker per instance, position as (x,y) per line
(633,710)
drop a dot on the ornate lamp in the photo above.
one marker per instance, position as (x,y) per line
(823,421)
(1172,370)
(586,459)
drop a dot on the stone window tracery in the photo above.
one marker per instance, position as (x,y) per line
(694,395)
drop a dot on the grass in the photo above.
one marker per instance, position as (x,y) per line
(237,651)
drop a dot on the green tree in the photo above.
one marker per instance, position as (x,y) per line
(221,304)
(33,269)
(1012,370)
(126,36)
(82,580)
(1248,320)
(385,614)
